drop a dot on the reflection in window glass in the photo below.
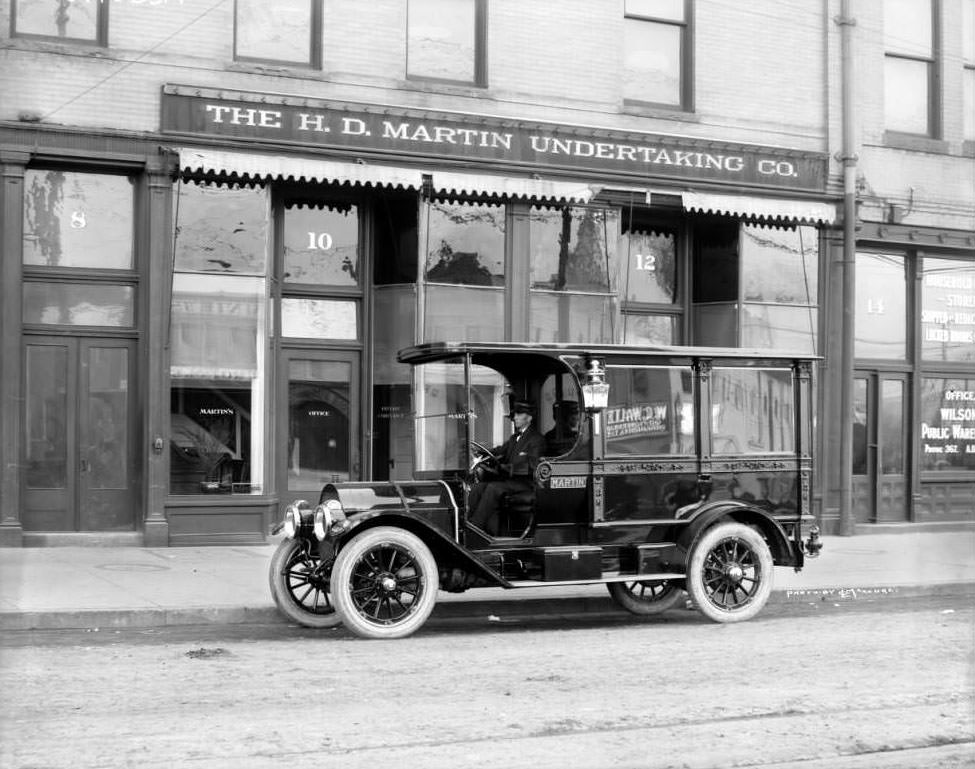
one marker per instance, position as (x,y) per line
(107,431)
(319,318)
(321,245)
(947,310)
(860,407)
(280,31)
(46,416)
(63,19)
(76,219)
(650,329)
(442,40)
(751,411)
(947,424)
(558,317)
(571,248)
(222,229)
(79,304)
(651,411)
(217,349)
(463,313)
(880,314)
(892,427)
(779,265)
(465,244)
(768,326)
(652,62)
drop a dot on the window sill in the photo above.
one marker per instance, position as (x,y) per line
(915,143)
(41,44)
(447,87)
(661,111)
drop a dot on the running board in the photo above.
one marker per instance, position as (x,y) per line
(607,577)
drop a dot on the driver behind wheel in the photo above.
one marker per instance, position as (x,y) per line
(518,457)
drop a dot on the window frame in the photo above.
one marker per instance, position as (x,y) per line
(480,51)
(932,61)
(686,60)
(101,28)
(315,50)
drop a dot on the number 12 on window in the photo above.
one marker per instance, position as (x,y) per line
(646,262)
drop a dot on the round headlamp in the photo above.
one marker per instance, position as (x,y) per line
(327,514)
(292,518)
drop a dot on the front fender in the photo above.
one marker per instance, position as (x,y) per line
(447,552)
(704,516)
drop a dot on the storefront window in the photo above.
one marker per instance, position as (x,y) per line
(881,309)
(321,244)
(464,272)
(218,342)
(947,310)
(222,229)
(572,250)
(74,219)
(948,424)
(79,304)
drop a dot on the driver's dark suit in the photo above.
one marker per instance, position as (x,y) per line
(518,457)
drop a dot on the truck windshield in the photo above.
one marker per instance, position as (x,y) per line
(442,411)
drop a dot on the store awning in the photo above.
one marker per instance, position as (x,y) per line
(801,211)
(256,167)
(452,183)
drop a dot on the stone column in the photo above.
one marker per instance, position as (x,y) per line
(12,165)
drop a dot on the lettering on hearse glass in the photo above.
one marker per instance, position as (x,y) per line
(567,482)
(216,412)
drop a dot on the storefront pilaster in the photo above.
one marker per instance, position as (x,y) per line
(160,172)
(12,166)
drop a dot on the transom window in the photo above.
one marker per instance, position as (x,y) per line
(657,52)
(446,41)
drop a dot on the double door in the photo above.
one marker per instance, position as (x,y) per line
(880,447)
(80,449)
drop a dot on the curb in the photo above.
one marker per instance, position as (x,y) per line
(451,611)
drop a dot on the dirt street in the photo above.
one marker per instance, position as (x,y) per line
(812,686)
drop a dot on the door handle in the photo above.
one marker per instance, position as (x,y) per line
(85,467)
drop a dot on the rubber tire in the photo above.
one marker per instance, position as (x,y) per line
(285,600)
(352,554)
(762,559)
(623,594)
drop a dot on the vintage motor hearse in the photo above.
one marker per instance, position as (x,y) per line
(689,470)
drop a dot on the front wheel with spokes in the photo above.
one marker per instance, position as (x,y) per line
(729,575)
(384,583)
(299,584)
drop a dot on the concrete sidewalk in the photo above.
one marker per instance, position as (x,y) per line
(116,587)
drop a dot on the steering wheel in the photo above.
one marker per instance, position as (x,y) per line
(483,459)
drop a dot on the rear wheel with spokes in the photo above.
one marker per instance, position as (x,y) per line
(729,575)
(384,583)
(645,598)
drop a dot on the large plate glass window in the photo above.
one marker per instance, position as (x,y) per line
(650,412)
(657,52)
(947,310)
(464,271)
(61,20)
(572,249)
(282,32)
(909,67)
(218,341)
(446,40)
(947,424)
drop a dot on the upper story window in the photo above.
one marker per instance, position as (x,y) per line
(910,95)
(63,20)
(446,40)
(284,32)
(968,73)
(657,52)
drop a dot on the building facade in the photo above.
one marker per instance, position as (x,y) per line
(221,220)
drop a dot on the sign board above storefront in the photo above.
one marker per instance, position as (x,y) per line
(401,133)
